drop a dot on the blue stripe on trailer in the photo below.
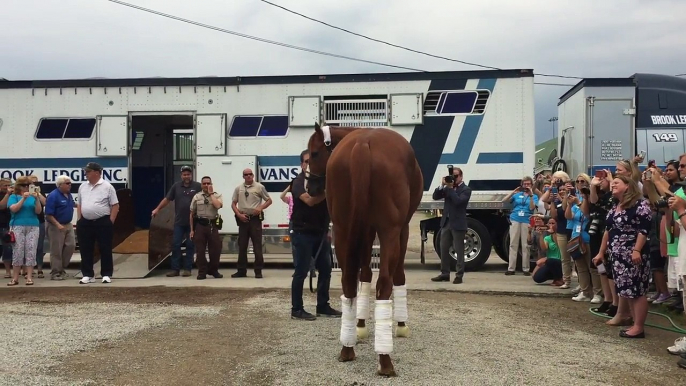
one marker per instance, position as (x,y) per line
(279,160)
(500,158)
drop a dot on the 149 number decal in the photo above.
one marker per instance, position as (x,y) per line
(665,137)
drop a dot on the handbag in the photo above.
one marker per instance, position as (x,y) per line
(576,248)
(9,237)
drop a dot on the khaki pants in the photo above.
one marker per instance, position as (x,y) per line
(62,245)
(589,280)
(566,259)
(519,233)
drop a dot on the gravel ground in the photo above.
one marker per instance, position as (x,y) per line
(156,336)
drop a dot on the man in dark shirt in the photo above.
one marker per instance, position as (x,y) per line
(181,193)
(5,216)
(310,237)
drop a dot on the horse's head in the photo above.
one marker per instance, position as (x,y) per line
(319,146)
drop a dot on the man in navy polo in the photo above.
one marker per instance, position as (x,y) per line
(59,213)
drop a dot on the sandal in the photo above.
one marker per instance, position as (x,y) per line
(12,282)
(40,274)
(29,282)
(8,276)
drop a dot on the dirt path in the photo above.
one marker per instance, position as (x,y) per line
(456,339)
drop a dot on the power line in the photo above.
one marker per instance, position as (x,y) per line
(402,47)
(282,44)
(258,38)
(554,84)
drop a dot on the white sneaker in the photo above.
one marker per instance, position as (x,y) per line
(679,347)
(564,286)
(581,298)
(597,299)
(86,280)
(106,279)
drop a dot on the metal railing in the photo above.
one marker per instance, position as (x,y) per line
(183,147)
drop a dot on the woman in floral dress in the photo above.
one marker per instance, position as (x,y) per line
(628,223)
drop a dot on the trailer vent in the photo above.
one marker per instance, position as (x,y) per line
(356,112)
(431,101)
(433,97)
(481,101)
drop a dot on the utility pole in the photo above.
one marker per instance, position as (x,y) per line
(552,121)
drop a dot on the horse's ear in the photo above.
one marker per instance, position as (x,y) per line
(317,128)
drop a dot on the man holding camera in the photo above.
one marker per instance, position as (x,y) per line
(456,197)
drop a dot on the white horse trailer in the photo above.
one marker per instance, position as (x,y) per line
(142,130)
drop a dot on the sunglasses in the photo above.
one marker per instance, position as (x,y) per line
(681,166)
(247,174)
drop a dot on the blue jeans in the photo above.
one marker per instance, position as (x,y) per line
(181,231)
(304,247)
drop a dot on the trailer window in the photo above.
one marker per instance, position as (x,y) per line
(274,126)
(65,128)
(456,102)
(259,126)
(245,126)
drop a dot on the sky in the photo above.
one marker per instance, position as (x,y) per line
(49,39)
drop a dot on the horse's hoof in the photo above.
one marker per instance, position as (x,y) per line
(390,372)
(347,354)
(362,333)
(402,331)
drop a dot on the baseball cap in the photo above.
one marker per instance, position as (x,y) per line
(186,168)
(93,166)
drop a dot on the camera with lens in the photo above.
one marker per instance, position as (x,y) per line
(662,203)
(594,226)
(450,178)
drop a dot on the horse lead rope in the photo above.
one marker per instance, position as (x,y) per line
(316,256)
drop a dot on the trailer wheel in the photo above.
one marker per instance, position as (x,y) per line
(477,246)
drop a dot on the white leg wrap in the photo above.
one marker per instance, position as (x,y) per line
(363,301)
(400,303)
(348,332)
(383,328)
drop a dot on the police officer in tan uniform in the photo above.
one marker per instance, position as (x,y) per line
(205,207)
(250,199)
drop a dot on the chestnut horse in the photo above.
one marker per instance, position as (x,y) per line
(373,185)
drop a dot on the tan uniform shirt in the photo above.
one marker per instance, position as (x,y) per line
(202,207)
(248,198)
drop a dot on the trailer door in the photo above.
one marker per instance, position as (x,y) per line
(612,132)
(112,136)
(210,134)
(226,173)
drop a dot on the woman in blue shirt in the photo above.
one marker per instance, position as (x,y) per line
(578,222)
(25,208)
(524,203)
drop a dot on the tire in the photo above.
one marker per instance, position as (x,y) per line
(477,245)
(499,247)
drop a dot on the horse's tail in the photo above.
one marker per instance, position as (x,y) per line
(361,176)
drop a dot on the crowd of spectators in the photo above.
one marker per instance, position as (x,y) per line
(619,235)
